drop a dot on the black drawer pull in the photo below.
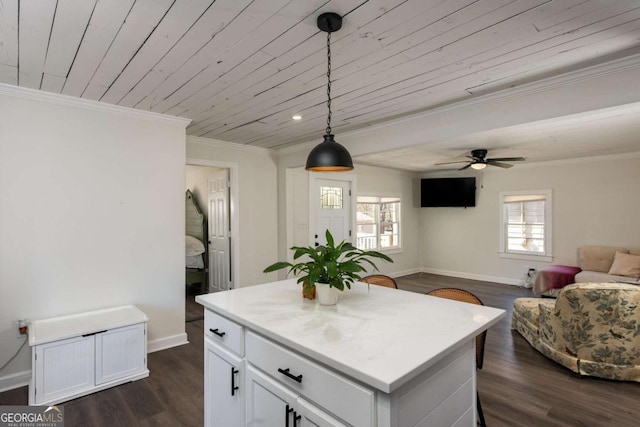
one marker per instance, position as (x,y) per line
(290,375)
(94,333)
(296,418)
(234,387)
(215,331)
(288,410)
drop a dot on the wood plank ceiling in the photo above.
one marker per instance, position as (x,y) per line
(241,68)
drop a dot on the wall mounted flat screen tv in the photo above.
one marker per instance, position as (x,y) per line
(448,192)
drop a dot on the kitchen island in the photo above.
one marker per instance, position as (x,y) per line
(380,357)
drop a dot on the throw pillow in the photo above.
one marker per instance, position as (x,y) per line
(194,246)
(625,265)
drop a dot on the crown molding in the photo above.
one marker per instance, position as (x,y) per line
(613,67)
(86,104)
(227,145)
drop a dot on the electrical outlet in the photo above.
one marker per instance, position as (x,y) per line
(22,328)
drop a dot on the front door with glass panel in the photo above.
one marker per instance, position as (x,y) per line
(331,205)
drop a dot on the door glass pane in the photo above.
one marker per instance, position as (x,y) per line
(330,197)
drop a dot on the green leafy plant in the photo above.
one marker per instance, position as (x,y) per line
(338,266)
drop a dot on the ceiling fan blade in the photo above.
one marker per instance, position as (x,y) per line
(499,164)
(508,159)
(448,163)
(465,167)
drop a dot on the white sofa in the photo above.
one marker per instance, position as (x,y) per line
(596,263)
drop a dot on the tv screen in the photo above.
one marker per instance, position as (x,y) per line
(448,192)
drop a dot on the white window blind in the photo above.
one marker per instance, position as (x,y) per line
(525,223)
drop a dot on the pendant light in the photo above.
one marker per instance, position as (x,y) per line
(329,156)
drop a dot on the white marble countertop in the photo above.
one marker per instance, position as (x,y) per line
(74,325)
(380,336)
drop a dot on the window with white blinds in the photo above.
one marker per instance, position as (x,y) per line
(378,223)
(526,223)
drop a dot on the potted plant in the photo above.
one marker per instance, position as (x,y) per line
(330,267)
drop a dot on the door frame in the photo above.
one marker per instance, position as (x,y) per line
(234,220)
(314,203)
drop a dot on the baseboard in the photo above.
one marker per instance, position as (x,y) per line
(16,380)
(495,279)
(167,342)
(397,274)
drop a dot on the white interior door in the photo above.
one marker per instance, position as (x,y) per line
(219,236)
(330,206)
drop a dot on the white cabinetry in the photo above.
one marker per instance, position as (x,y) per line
(381,358)
(224,372)
(83,353)
(271,404)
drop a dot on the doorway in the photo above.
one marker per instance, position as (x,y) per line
(213,187)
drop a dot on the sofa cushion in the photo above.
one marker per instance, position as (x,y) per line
(597,277)
(625,265)
(598,258)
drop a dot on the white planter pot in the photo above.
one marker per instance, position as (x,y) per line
(326,294)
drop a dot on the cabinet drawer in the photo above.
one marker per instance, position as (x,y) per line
(224,332)
(338,395)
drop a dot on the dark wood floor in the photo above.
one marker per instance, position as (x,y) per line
(518,386)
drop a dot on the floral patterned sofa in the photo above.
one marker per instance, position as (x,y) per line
(591,328)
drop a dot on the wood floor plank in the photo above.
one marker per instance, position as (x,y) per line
(518,386)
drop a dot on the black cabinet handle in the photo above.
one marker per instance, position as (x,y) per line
(290,375)
(215,331)
(234,387)
(95,333)
(296,418)
(288,410)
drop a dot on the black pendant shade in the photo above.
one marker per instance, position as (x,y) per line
(329,156)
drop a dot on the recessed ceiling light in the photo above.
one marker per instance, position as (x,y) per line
(297,117)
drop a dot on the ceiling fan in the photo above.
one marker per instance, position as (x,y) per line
(479,161)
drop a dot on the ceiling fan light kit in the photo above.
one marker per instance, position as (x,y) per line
(479,161)
(329,156)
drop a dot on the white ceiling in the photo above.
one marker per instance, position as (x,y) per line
(603,132)
(241,68)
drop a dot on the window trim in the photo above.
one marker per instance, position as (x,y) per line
(394,249)
(548,229)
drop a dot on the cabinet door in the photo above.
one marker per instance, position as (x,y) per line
(311,416)
(223,387)
(120,352)
(63,368)
(269,404)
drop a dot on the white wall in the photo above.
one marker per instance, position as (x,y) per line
(369,181)
(257,205)
(91,214)
(595,202)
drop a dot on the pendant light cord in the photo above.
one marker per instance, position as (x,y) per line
(328,130)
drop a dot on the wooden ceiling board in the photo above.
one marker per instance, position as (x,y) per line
(35,21)
(104,24)
(141,21)
(239,69)
(70,23)
(9,45)
(208,26)
(178,21)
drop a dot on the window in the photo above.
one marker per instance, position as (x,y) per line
(378,223)
(331,197)
(525,219)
